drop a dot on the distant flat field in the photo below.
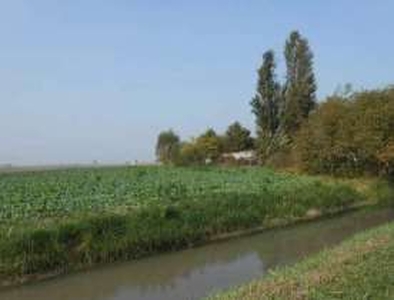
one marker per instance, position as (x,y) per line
(36,168)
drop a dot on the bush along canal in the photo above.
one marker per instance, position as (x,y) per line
(198,272)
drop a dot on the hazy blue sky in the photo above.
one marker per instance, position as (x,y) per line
(92,79)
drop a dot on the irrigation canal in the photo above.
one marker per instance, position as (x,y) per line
(195,273)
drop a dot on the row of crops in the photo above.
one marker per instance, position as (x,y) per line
(36,196)
(54,221)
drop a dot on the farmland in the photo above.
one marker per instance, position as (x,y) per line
(38,196)
(60,220)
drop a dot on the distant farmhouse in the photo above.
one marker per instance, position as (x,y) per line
(240,158)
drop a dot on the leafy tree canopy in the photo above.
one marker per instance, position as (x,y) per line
(167,147)
(237,138)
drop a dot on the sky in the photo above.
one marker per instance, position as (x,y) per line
(84,80)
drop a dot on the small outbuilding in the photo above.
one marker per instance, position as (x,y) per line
(247,157)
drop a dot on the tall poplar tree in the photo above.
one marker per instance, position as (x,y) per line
(300,88)
(266,103)
(266,106)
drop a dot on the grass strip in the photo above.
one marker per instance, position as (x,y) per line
(360,268)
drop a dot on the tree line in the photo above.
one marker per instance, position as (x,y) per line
(207,148)
(349,133)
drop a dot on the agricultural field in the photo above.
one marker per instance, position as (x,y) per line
(57,220)
(56,194)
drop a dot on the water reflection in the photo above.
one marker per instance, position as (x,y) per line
(195,273)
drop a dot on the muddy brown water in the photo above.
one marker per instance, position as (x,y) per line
(196,273)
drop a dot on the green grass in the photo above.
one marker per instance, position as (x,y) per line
(61,220)
(360,268)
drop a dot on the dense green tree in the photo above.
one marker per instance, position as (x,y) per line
(321,142)
(266,103)
(300,87)
(167,147)
(349,135)
(204,149)
(237,138)
(209,143)
(267,106)
(190,154)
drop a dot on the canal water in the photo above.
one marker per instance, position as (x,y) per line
(195,273)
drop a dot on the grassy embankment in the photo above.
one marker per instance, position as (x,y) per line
(360,268)
(53,222)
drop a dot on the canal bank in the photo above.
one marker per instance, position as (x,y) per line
(198,272)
